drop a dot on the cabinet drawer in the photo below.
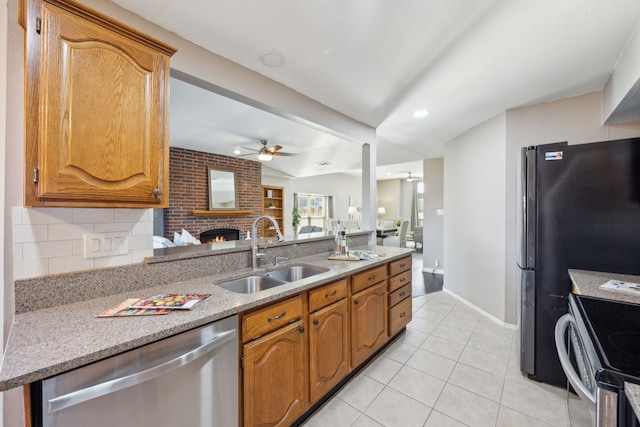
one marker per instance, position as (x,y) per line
(399,316)
(327,294)
(399,266)
(271,317)
(399,280)
(365,279)
(399,294)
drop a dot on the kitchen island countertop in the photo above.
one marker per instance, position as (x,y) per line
(47,342)
(588,283)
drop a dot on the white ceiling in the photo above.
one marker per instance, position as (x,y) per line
(377,61)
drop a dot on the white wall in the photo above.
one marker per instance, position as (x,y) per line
(480,194)
(432,248)
(395,196)
(576,120)
(474,200)
(340,186)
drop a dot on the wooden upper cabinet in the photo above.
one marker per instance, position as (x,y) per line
(97,110)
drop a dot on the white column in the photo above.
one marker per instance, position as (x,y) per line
(369,190)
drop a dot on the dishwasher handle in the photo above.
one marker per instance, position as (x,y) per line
(565,361)
(117,384)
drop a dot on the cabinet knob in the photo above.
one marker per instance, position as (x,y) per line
(315,321)
(403,314)
(356,302)
(157,192)
(301,329)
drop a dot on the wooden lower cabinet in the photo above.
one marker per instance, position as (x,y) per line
(328,348)
(274,377)
(368,322)
(287,369)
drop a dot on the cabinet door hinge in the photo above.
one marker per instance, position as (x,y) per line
(36,175)
(38,25)
(242,362)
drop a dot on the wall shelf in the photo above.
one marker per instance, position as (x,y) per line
(273,196)
(221,212)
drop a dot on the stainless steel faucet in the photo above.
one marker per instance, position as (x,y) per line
(255,255)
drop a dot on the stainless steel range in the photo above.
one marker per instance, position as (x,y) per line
(604,338)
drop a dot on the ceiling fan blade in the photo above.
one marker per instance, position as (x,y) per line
(249,148)
(280,153)
(273,148)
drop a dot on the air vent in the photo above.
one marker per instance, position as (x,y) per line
(323,164)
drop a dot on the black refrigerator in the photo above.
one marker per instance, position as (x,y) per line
(579,208)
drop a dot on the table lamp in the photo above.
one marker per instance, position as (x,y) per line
(352,211)
(381,212)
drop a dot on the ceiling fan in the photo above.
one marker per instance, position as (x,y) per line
(410,178)
(266,153)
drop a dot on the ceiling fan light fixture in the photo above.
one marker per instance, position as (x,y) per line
(265,157)
(421,113)
(237,151)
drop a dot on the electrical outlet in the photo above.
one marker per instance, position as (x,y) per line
(98,245)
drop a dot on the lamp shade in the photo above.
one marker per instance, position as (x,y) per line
(382,211)
(353,210)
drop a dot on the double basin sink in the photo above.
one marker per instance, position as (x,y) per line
(271,279)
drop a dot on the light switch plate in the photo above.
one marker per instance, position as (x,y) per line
(98,245)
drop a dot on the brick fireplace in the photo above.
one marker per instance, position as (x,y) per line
(188,191)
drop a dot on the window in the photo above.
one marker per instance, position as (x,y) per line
(314,209)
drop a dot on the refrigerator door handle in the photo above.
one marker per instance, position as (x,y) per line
(526,213)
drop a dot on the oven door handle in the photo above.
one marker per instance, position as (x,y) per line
(567,367)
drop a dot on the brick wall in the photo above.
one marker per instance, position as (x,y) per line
(189,190)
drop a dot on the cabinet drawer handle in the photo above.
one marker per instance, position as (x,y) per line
(403,314)
(356,302)
(315,321)
(402,265)
(401,294)
(277,317)
(403,279)
(335,291)
(372,277)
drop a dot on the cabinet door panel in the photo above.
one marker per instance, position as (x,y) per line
(274,378)
(368,322)
(328,348)
(399,315)
(98,96)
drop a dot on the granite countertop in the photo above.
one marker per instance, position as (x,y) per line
(588,283)
(633,395)
(50,341)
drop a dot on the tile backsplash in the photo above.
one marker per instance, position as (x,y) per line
(51,240)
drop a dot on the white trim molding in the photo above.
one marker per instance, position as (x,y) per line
(481,311)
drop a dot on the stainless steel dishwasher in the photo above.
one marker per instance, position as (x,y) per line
(190,379)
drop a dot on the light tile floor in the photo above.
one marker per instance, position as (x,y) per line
(453,367)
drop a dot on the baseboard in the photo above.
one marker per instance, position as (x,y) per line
(481,311)
(433,270)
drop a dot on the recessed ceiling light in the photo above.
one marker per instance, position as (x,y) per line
(421,113)
(272,59)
